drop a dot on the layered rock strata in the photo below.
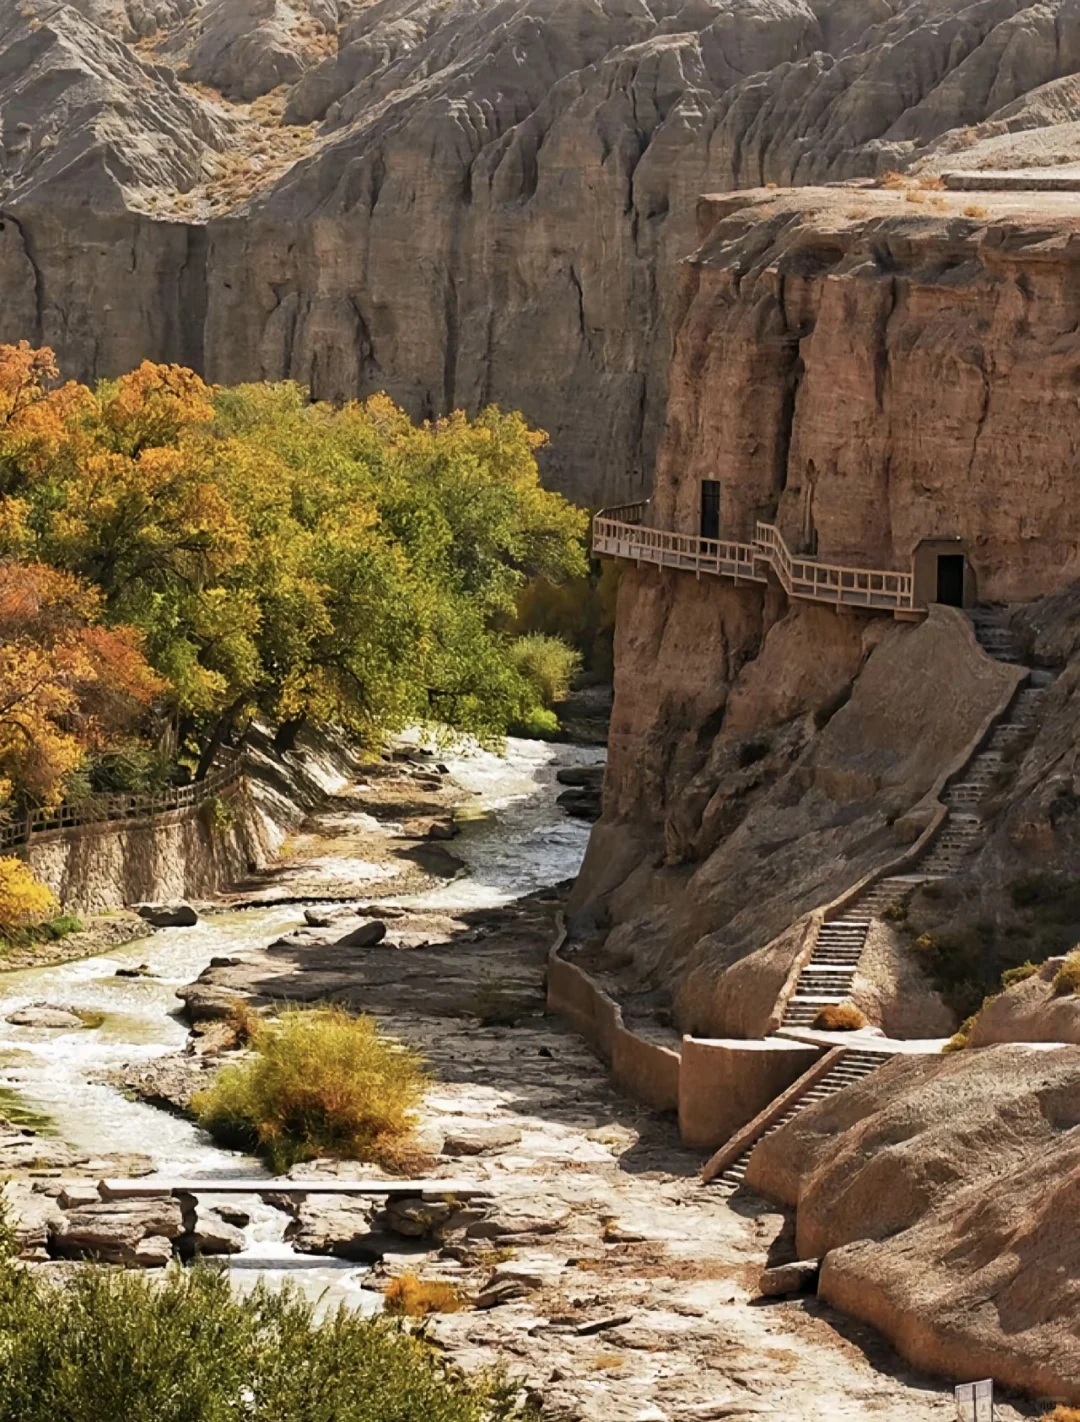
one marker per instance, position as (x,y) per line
(463,202)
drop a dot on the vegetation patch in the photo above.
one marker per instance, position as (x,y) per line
(1067,979)
(318,1082)
(112,1344)
(412,1297)
(840,1017)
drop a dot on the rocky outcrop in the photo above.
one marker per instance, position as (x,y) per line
(499,193)
(1030,1011)
(892,1181)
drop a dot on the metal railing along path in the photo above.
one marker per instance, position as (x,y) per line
(621,533)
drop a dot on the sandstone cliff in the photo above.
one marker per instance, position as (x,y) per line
(868,372)
(892,1182)
(469,200)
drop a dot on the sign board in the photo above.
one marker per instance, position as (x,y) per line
(975,1401)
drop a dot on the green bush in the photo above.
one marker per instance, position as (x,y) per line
(547,664)
(538,725)
(319,1082)
(110,1346)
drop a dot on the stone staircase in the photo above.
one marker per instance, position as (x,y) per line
(827,979)
(852,1066)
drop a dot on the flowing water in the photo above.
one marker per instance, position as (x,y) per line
(515,839)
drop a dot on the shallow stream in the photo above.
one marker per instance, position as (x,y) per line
(515,839)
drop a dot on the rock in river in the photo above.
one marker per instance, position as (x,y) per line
(131,1232)
(178,915)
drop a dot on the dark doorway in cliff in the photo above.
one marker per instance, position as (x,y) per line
(710,508)
(950,579)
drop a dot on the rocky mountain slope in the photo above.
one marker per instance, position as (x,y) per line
(870,371)
(462,200)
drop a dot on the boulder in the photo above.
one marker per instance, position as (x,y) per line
(480,1140)
(130,1232)
(324,917)
(34,1216)
(443,829)
(798,1277)
(142,971)
(339,1225)
(523,1216)
(44,1014)
(203,1002)
(414,1218)
(366,936)
(177,915)
(210,1234)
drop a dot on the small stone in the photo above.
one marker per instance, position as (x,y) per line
(500,1292)
(796,1278)
(366,936)
(324,917)
(525,1216)
(43,1014)
(225,962)
(142,971)
(480,1140)
(177,915)
(414,1218)
(234,1215)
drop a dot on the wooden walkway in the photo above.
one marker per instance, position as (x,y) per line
(621,533)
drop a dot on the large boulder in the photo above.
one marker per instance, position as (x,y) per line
(136,1233)
(175,915)
(340,1225)
(1030,1011)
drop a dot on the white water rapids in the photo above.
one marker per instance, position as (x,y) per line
(515,839)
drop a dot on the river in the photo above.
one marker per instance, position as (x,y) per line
(515,839)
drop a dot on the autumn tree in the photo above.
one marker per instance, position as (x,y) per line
(68,684)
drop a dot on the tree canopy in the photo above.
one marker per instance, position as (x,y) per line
(224,554)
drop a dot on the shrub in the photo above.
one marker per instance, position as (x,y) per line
(24,899)
(961,1037)
(411,1297)
(184,1348)
(538,725)
(1068,976)
(895,912)
(217,815)
(976,209)
(1019,974)
(319,1082)
(1062,1414)
(547,664)
(839,1017)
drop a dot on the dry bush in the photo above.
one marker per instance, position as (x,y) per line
(932,184)
(839,1017)
(412,1297)
(914,195)
(319,1082)
(939,203)
(607,1362)
(1068,976)
(976,209)
(893,179)
(1061,1413)
(962,1036)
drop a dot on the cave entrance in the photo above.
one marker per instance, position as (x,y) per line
(710,508)
(950,579)
(943,573)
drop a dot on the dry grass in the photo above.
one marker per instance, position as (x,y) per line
(319,1082)
(839,1017)
(914,195)
(893,180)
(412,1297)
(976,209)
(1068,976)
(607,1362)
(1061,1413)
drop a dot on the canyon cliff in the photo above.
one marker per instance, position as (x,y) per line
(463,202)
(875,376)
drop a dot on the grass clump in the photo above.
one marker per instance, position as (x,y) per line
(1020,974)
(319,1082)
(409,1296)
(109,1344)
(962,1036)
(1067,979)
(1061,1413)
(839,1017)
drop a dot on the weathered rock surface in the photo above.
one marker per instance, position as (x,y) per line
(1030,1011)
(340,1225)
(517,176)
(44,1014)
(131,1232)
(938,1184)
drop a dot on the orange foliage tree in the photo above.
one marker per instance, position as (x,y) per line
(67,683)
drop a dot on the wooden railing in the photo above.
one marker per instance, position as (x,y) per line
(106,809)
(622,533)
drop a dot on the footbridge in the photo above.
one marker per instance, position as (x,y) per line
(621,532)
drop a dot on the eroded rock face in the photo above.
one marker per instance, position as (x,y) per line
(500,191)
(935,1185)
